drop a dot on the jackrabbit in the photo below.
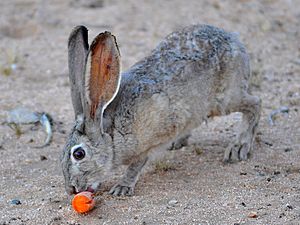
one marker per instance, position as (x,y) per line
(120,119)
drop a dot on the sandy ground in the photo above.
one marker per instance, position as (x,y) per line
(197,187)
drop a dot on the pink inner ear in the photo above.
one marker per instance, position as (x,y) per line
(104,74)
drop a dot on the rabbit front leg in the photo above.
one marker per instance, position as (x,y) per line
(250,106)
(179,142)
(125,187)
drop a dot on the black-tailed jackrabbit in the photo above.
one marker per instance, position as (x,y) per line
(195,73)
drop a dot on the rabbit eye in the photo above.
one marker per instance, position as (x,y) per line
(79,153)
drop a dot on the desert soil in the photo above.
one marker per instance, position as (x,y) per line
(191,185)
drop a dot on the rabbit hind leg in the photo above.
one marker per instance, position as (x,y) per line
(250,106)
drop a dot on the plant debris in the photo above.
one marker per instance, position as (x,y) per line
(282,109)
(162,166)
(21,115)
(9,62)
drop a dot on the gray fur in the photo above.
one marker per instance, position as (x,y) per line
(195,73)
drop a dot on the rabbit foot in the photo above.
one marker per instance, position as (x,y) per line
(121,190)
(240,149)
(250,107)
(237,152)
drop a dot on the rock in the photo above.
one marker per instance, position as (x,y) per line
(87,3)
(288,149)
(42,157)
(277,172)
(172,202)
(15,202)
(252,215)
(289,207)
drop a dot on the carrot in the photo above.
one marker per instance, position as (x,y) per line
(83,202)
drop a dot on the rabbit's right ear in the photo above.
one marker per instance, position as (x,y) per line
(77,56)
(102,79)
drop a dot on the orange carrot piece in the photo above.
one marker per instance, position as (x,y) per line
(83,202)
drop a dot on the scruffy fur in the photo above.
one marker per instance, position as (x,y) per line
(198,72)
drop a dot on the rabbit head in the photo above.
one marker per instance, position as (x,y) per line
(94,74)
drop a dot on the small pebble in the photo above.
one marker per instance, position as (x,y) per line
(15,202)
(281,215)
(58,218)
(173,202)
(268,143)
(260,174)
(288,149)
(42,157)
(276,172)
(289,207)
(252,215)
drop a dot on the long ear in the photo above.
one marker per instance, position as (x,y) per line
(77,54)
(102,77)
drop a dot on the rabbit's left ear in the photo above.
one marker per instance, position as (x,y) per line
(78,48)
(102,78)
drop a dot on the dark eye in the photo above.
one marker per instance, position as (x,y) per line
(79,153)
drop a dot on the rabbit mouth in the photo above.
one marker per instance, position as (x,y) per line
(88,189)
(75,191)
(94,187)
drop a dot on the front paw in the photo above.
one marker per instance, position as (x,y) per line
(121,190)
